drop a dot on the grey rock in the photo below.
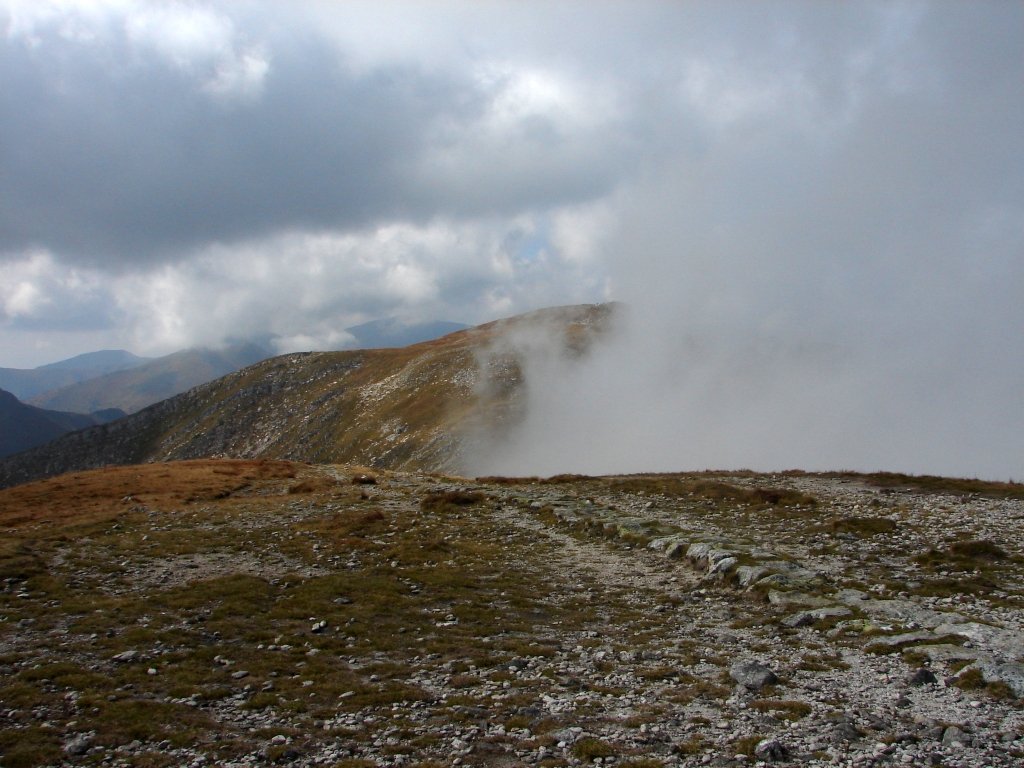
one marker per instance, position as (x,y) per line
(752,675)
(953,735)
(1009,674)
(78,745)
(1003,641)
(813,616)
(770,750)
(923,676)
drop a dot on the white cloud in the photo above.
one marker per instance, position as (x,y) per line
(188,36)
(306,288)
(37,292)
(198,40)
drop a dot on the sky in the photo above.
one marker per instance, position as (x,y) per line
(814,210)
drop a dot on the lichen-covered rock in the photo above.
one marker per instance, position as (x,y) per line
(813,616)
(746,575)
(1009,674)
(752,675)
(672,547)
(1004,642)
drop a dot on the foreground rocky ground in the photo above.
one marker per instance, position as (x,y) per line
(252,613)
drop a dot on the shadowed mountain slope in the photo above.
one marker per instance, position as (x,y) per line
(24,426)
(408,408)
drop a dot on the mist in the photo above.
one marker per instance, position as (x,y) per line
(847,303)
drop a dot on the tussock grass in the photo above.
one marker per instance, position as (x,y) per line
(862,527)
(458,498)
(964,555)
(945,485)
(712,490)
(783,709)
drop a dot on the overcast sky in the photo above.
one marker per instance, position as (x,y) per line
(841,179)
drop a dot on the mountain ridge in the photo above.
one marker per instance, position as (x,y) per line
(415,407)
(27,383)
(135,388)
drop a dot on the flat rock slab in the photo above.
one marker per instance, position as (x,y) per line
(1010,675)
(946,652)
(905,611)
(1001,641)
(813,616)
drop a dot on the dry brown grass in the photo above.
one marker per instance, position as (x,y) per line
(101,494)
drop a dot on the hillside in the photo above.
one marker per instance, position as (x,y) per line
(239,613)
(415,407)
(24,426)
(132,390)
(26,383)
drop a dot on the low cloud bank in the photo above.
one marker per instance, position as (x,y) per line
(645,400)
(801,336)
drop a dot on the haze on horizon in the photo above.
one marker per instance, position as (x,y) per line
(815,211)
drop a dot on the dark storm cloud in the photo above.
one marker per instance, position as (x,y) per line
(114,154)
(129,161)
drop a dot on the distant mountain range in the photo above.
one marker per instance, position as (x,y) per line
(414,407)
(392,332)
(150,382)
(28,383)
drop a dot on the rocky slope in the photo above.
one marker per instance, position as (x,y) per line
(413,407)
(262,612)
